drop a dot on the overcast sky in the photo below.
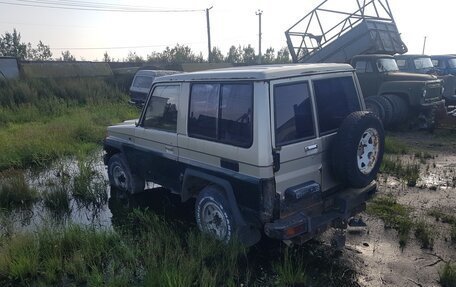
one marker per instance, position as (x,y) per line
(233,22)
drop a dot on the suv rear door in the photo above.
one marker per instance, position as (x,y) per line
(295,134)
(307,114)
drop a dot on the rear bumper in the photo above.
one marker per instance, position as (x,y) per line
(342,205)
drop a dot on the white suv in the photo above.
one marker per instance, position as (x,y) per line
(284,149)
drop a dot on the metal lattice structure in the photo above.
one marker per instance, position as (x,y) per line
(312,33)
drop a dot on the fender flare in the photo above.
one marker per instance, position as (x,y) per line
(224,184)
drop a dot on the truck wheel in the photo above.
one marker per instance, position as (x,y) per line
(357,150)
(213,215)
(121,177)
(375,107)
(387,107)
(400,108)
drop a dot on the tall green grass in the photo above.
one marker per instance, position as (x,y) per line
(15,191)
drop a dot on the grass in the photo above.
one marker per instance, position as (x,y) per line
(424,234)
(15,191)
(81,130)
(440,215)
(393,146)
(448,275)
(394,215)
(153,253)
(44,119)
(410,173)
(89,186)
(291,270)
(57,200)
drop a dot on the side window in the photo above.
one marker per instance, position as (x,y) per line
(401,64)
(161,112)
(435,63)
(293,113)
(236,123)
(336,98)
(222,112)
(204,102)
(363,67)
(143,82)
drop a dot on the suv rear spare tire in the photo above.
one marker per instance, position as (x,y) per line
(357,150)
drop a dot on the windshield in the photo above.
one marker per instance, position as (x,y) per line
(423,63)
(452,63)
(387,65)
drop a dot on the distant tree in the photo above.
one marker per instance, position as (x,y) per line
(269,57)
(67,57)
(234,55)
(11,45)
(179,54)
(248,57)
(106,57)
(134,58)
(283,56)
(217,56)
(41,53)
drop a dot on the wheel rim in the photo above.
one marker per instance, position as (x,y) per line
(214,221)
(120,177)
(368,149)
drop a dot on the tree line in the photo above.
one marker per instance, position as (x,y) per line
(11,45)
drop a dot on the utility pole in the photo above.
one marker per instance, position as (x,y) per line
(259,13)
(424,44)
(209,58)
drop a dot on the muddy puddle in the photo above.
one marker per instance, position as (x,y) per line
(372,256)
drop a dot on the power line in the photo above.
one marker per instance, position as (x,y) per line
(100,8)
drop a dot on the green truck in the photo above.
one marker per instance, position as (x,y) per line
(367,38)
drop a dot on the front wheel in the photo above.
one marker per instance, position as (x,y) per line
(213,215)
(121,178)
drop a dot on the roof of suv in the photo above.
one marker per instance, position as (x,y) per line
(263,72)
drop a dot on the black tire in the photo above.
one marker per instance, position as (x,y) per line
(213,215)
(375,107)
(359,130)
(387,108)
(400,108)
(121,178)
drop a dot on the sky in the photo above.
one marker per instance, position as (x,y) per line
(233,22)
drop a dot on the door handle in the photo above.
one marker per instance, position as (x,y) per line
(311,147)
(169,149)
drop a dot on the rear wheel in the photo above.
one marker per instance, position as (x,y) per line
(387,108)
(400,108)
(375,107)
(213,215)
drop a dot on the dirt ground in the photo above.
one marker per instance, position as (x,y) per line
(375,251)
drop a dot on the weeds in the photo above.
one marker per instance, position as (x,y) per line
(15,191)
(408,172)
(57,200)
(448,275)
(393,146)
(290,270)
(394,215)
(89,186)
(442,216)
(424,235)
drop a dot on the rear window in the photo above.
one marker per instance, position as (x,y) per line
(293,113)
(222,113)
(336,98)
(143,82)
